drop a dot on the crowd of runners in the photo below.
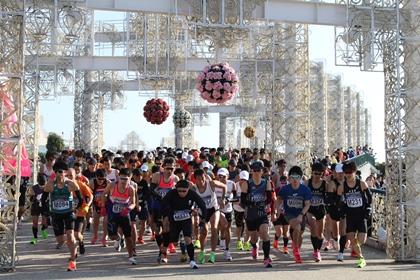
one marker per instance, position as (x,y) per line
(186,197)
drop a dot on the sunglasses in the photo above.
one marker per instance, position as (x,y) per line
(296,177)
(60,171)
(169,168)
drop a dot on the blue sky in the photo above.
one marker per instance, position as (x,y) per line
(119,123)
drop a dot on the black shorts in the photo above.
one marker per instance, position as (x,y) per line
(178,226)
(116,221)
(22,196)
(254,225)
(336,214)
(317,212)
(281,221)
(36,210)
(289,217)
(228,217)
(61,222)
(143,215)
(209,213)
(239,218)
(78,224)
(356,223)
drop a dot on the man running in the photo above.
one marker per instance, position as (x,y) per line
(98,185)
(61,203)
(37,209)
(281,226)
(296,199)
(178,204)
(255,195)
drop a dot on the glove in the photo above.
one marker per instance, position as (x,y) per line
(368,213)
(125,212)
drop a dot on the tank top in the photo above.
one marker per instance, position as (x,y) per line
(258,198)
(61,200)
(209,196)
(118,201)
(164,187)
(228,206)
(354,198)
(98,190)
(318,195)
(112,176)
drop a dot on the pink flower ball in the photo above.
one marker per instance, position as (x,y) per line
(217,86)
(227,87)
(216,94)
(217,75)
(209,85)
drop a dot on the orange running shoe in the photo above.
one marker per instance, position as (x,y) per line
(140,241)
(285,250)
(276,244)
(72,266)
(172,248)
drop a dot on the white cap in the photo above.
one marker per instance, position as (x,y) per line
(144,168)
(205,164)
(223,172)
(190,158)
(244,175)
(185,155)
(339,168)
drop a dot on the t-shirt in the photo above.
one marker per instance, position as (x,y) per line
(294,199)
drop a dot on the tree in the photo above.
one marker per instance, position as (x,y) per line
(55,143)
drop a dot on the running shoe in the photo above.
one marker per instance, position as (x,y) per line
(318,256)
(140,241)
(103,241)
(201,257)
(193,265)
(197,244)
(340,257)
(44,234)
(34,241)
(254,253)
(82,248)
(361,263)
(354,254)
(117,245)
(164,258)
(276,244)
(72,266)
(184,257)
(228,256)
(212,257)
(122,242)
(240,245)
(132,261)
(247,246)
(171,248)
(222,244)
(59,246)
(93,240)
(285,250)
(296,254)
(268,263)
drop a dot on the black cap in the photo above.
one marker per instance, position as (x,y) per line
(257,165)
(233,162)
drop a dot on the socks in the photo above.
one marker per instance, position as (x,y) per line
(254,245)
(266,249)
(319,244)
(35,232)
(343,241)
(158,239)
(285,241)
(43,227)
(190,250)
(314,242)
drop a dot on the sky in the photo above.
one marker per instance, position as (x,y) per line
(57,115)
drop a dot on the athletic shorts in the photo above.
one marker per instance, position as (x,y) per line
(228,217)
(210,213)
(78,224)
(22,196)
(101,211)
(289,217)
(254,225)
(178,226)
(239,218)
(356,223)
(281,221)
(336,214)
(36,210)
(63,222)
(116,221)
(317,212)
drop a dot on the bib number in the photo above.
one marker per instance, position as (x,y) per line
(117,208)
(354,202)
(182,215)
(61,204)
(295,203)
(317,201)
(208,201)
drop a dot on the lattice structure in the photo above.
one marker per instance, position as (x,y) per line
(336,127)
(12,35)
(318,111)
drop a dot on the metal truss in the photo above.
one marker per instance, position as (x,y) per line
(318,110)
(12,36)
(335,113)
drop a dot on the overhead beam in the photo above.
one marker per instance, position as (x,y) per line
(226,110)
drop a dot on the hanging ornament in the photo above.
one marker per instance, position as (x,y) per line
(156,111)
(181,118)
(217,83)
(249,132)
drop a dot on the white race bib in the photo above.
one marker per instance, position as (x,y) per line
(294,203)
(61,204)
(182,215)
(354,201)
(317,200)
(117,208)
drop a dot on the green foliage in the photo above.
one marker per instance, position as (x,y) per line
(55,143)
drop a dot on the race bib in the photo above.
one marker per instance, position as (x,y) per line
(207,201)
(317,200)
(354,201)
(60,204)
(163,192)
(117,208)
(182,215)
(294,203)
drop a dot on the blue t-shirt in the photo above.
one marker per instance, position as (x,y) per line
(294,199)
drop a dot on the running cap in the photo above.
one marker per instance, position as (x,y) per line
(339,168)
(223,172)
(190,158)
(205,164)
(185,155)
(244,175)
(144,168)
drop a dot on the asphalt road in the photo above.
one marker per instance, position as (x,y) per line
(43,261)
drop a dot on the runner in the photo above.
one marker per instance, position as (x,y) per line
(255,195)
(119,201)
(61,203)
(358,199)
(316,213)
(98,185)
(240,215)
(296,201)
(37,209)
(143,195)
(281,226)
(178,203)
(206,189)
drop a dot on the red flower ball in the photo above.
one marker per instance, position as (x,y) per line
(156,111)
